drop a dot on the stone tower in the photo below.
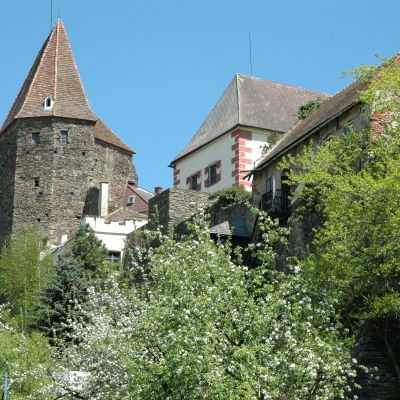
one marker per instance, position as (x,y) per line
(55,151)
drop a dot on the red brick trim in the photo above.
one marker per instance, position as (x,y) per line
(242,155)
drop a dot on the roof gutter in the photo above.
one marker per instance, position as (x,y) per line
(300,140)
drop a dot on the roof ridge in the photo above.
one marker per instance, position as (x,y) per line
(283,84)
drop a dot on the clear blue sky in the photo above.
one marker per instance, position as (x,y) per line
(153,70)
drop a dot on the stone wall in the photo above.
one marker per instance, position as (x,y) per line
(115,167)
(55,183)
(8,158)
(174,205)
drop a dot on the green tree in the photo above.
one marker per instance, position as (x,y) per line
(355,182)
(58,302)
(25,268)
(28,359)
(91,252)
(200,326)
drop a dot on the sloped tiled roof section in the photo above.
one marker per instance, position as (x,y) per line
(54,72)
(122,215)
(341,101)
(233,227)
(141,203)
(104,134)
(252,102)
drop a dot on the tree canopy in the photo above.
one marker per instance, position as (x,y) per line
(354,181)
(200,326)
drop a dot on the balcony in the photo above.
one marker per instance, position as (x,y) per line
(277,203)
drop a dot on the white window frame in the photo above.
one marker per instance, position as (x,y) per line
(131,199)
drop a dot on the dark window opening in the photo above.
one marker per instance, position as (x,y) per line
(55,151)
(36,138)
(193,182)
(114,256)
(212,174)
(36,182)
(48,102)
(83,153)
(38,220)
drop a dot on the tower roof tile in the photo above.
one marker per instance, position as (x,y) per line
(54,73)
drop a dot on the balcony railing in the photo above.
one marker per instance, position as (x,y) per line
(277,203)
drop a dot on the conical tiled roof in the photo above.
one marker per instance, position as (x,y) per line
(251,102)
(54,73)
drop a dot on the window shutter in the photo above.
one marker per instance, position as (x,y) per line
(218,170)
(188,182)
(199,180)
(206,177)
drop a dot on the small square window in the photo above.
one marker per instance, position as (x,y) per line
(212,174)
(193,182)
(36,182)
(131,199)
(36,138)
(64,137)
(114,256)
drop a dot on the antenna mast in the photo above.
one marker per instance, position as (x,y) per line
(51,14)
(251,66)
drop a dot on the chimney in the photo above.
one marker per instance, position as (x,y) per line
(103,199)
(157,190)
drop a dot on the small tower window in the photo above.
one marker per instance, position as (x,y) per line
(36,182)
(64,137)
(36,138)
(48,102)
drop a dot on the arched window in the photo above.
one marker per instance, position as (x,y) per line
(48,102)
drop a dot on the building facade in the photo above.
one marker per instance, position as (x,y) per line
(250,114)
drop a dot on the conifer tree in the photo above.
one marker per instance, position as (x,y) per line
(60,299)
(90,252)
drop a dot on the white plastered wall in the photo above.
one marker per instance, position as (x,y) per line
(220,149)
(113,234)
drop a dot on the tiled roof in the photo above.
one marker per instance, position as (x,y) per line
(251,102)
(54,72)
(123,214)
(233,227)
(336,104)
(104,134)
(141,203)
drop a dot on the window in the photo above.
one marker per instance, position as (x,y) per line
(131,199)
(193,182)
(212,174)
(48,102)
(64,137)
(36,138)
(348,127)
(36,182)
(269,185)
(114,256)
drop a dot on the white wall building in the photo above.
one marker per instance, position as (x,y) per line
(248,115)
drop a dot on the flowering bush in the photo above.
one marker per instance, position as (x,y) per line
(199,326)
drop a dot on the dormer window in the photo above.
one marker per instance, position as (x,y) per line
(48,102)
(131,199)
